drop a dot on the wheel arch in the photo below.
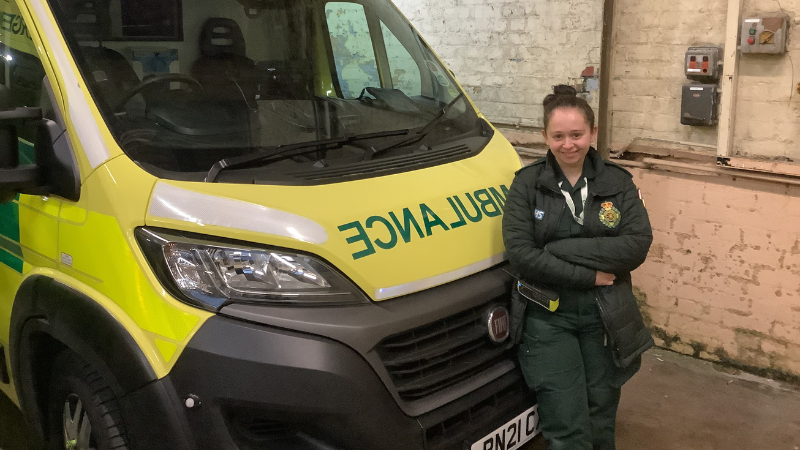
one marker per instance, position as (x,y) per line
(48,317)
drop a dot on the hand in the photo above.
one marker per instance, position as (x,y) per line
(604,279)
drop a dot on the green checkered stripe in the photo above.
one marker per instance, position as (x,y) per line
(10,250)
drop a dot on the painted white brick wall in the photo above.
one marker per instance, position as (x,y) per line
(507,54)
(649,42)
(768,103)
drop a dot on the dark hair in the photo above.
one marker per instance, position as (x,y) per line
(564,96)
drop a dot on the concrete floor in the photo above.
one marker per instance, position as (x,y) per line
(675,402)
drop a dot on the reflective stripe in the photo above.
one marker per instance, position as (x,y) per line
(80,113)
(414,286)
(584,194)
(10,250)
(170,202)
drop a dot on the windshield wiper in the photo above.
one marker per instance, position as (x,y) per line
(277,153)
(424,131)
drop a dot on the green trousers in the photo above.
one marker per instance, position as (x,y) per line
(565,360)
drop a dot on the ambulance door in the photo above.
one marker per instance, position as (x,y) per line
(29,224)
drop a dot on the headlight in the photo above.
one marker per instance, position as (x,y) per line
(210,274)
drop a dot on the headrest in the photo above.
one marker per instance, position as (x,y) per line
(105,60)
(221,36)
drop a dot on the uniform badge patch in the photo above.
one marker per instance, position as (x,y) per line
(610,215)
(538,214)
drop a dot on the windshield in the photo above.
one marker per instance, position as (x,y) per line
(185,84)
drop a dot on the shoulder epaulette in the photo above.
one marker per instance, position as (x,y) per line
(538,162)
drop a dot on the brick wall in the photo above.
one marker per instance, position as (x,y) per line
(768,104)
(650,39)
(649,42)
(722,280)
(723,277)
(508,54)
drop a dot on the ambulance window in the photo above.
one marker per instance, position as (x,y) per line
(353,53)
(405,72)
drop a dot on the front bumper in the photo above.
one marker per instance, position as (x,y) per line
(263,386)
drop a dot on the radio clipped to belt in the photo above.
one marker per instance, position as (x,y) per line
(523,293)
(545,298)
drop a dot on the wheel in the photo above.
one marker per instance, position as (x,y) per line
(83,412)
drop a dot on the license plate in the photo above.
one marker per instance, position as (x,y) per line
(513,434)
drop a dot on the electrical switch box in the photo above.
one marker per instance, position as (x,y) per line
(703,64)
(766,35)
(699,105)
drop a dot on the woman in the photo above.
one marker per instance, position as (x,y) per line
(576,224)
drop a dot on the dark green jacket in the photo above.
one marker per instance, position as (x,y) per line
(618,237)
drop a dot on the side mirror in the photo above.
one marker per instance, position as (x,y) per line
(15,179)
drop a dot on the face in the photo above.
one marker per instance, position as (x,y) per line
(569,137)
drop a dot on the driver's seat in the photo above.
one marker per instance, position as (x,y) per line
(111,73)
(223,67)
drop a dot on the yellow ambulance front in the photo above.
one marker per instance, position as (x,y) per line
(249,224)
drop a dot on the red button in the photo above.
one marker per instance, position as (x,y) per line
(751,40)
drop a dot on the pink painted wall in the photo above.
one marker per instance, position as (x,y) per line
(722,280)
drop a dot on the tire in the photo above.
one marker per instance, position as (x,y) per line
(82,411)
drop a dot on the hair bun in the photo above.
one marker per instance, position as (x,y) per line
(560,91)
(563,89)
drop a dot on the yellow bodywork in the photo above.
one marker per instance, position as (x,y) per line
(452,243)
(89,245)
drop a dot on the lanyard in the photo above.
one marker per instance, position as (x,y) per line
(571,204)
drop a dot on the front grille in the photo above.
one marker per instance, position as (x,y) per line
(428,359)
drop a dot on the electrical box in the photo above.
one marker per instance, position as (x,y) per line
(703,64)
(766,35)
(699,105)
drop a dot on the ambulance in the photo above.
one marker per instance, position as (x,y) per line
(249,224)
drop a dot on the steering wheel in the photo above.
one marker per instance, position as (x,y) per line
(155,79)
